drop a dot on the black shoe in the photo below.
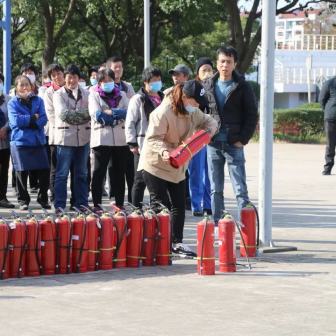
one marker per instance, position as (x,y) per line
(207,212)
(6,204)
(71,208)
(183,250)
(46,206)
(198,213)
(33,190)
(105,194)
(23,207)
(326,172)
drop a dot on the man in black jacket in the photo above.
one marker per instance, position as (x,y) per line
(327,100)
(232,103)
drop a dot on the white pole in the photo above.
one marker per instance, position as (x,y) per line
(266,121)
(147,33)
(309,66)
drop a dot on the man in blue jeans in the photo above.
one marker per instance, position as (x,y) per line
(72,136)
(233,105)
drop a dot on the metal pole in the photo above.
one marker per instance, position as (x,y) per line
(309,66)
(147,32)
(7,45)
(266,121)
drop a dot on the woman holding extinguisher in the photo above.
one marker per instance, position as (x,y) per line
(173,122)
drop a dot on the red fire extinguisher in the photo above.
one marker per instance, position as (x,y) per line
(248,218)
(135,233)
(64,227)
(107,242)
(4,248)
(150,238)
(49,244)
(227,244)
(33,251)
(119,259)
(94,241)
(79,244)
(17,249)
(164,242)
(206,247)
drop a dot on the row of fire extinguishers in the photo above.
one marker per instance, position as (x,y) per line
(84,243)
(248,230)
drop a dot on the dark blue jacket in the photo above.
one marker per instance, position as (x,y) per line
(26,130)
(327,99)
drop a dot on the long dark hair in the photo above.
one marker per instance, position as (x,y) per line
(177,102)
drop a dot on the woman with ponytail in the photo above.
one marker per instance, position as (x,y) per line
(173,122)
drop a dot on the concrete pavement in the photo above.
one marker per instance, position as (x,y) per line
(284,294)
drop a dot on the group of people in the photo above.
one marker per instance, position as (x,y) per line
(106,130)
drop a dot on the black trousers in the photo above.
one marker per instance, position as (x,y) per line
(4,168)
(330,130)
(103,154)
(159,190)
(139,184)
(21,186)
(129,174)
(33,179)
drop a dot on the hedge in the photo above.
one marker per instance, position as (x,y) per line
(305,120)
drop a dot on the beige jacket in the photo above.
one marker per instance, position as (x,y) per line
(66,134)
(166,131)
(103,135)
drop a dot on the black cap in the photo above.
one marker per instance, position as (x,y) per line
(202,61)
(180,68)
(93,69)
(195,89)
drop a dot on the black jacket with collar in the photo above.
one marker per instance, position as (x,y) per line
(240,113)
(149,106)
(327,99)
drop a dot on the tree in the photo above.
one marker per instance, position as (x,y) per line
(242,38)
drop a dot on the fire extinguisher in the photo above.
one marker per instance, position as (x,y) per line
(49,244)
(33,251)
(65,239)
(249,219)
(227,244)
(17,249)
(79,243)
(119,259)
(206,247)
(150,237)
(94,241)
(108,227)
(5,238)
(164,242)
(135,243)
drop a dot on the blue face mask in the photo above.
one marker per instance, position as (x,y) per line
(1,87)
(93,81)
(48,80)
(190,109)
(155,86)
(107,87)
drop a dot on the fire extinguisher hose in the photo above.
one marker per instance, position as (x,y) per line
(24,247)
(6,249)
(156,236)
(241,235)
(117,232)
(82,246)
(143,240)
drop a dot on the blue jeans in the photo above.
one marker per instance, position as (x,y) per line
(199,184)
(220,152)
(65,156)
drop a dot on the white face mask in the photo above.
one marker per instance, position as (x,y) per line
(31,78)
(82,85)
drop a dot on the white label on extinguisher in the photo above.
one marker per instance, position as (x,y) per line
(128,231)
(74,237)
(98,224)
(149,216)
(220,243)
(145,240)
(114,228)
(42,243)
(12,226)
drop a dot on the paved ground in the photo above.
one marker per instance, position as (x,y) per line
(284,294)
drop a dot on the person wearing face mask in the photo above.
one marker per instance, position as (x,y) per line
(46,80)
(27,119)
(30,70)
(148,98)
(4,146)
(93,78)
(199,184)
(173,122)
(107,107)
(72,136)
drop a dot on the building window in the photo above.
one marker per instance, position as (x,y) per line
(303,96)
